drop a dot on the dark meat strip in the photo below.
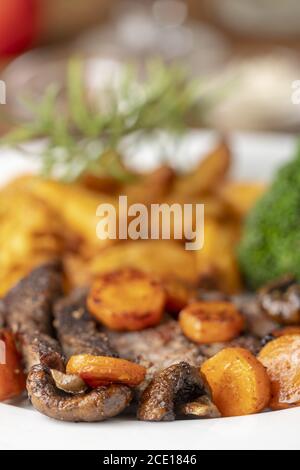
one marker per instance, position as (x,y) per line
(29,304)
(160,347)
(28,310)
(76,329)
(258,324)
(157,348)
(96,405)
(168,390)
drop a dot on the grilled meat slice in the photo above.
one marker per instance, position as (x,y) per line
(29,304)
(168,390)
(28,310)
(95,405)
(249,342)
(157,348)
(76,329)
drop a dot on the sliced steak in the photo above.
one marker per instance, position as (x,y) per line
(28,309)
(76,330)
(29,304)
(157,348)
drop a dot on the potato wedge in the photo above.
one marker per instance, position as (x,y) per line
(238,381)
(208,175)
(76,206)
(281,357)
(12,379)
(99,371)
(217,265)
(150,187)
(127,300)
(211,322)
(241,197)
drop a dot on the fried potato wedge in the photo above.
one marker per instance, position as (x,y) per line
(281,357)
(210,172)
(241,197)
(217,265)
(150,187)
(167,261)
(12,379)
(211,322)
(238,382)
(127,300)
(76,206)
(99,371)
(30,234)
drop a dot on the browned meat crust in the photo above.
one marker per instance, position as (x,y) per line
(29,304)
(157,348)
(76,330)
(169,389)
(95,405)
(29,314)
(247,341)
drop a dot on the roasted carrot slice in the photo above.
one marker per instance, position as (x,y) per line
(211,322)
(12,379)
(127,300)
(97,371)
(238,381)
(281,357)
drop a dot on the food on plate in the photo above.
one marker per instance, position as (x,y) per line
(171,387)
(211,322)
(270,243)
(127,299)
(202,407)
(29,313)
(67,382)
(104,324)
(217,266)
(76,330)
(281,358)
(167,261)
(238,382)
(241,196)
(30,234)
(97,371)
(12,378)
(280,300)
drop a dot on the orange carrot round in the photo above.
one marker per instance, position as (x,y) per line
(238,382)
(211,322)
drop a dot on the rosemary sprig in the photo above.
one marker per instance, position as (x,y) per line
(84,136)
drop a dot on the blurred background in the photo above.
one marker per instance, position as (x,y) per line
(245,51)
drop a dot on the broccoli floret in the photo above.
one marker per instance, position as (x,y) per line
(270,245)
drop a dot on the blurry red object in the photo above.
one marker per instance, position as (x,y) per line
(18,25)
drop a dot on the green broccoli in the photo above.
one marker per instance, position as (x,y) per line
(270,245)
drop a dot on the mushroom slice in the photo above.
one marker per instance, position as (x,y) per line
(96,405)
(69,383)
(170,388)
(202,407)
(280,300)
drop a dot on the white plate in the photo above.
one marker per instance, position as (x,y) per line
(257,156)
